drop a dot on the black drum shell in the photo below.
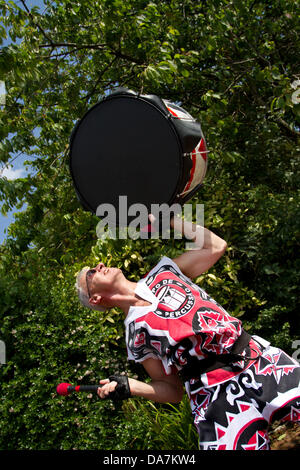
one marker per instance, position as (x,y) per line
(133,145)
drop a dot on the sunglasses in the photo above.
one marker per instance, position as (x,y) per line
(89,275)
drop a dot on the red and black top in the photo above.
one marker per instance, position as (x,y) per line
(182,322)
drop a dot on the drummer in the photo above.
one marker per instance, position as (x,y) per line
(237,384)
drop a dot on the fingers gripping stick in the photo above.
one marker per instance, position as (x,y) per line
(121,392)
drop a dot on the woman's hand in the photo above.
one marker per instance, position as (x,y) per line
(107,387)
(116,387)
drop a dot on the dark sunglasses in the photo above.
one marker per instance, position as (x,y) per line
(88,275)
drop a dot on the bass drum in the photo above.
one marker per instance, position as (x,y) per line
(139,146)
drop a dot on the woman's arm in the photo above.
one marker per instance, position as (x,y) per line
(208,248)
(162,388)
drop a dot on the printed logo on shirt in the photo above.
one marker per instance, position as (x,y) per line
(175,298)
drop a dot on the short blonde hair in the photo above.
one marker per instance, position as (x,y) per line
(82,295)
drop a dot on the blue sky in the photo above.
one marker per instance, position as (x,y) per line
(17,168)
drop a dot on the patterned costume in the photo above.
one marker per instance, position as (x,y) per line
(232,403)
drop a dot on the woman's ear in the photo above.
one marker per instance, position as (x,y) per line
(95,299)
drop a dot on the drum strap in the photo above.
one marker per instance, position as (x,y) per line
(196,367)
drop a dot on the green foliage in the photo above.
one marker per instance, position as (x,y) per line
(232,66)
(157,426)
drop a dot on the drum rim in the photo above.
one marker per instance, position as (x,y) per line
(167,115)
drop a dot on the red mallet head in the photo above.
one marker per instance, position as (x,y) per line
(62,389)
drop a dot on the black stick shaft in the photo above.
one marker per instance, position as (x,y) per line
(83,388)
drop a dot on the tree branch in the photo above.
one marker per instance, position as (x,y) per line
(34,22)
(118,54)
(86,97)
(283,123)
(73,44)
